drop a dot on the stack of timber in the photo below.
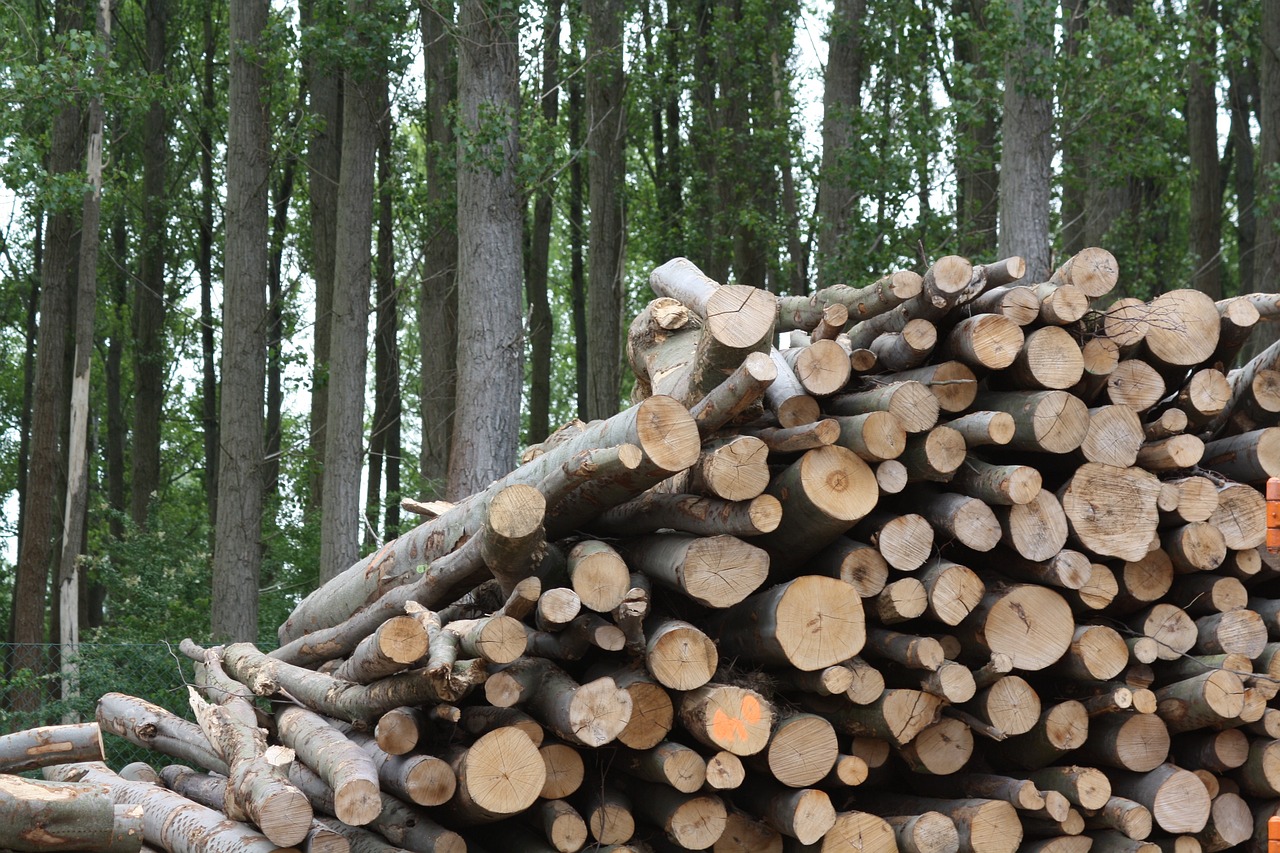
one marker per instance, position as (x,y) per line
(969,563)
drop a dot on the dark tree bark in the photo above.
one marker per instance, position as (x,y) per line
(204,267)
(606,140)
(47,463)
(384,440)
(1242,83)
(977,182)
(323,79)
(282,194)
(237,553)
(438,302)
(541,324)
(29,376)
(1027,146)
(149,304)
(1267,256)
(577,235)
(841,102)
(117,427)
(348,345)
(1202,138)
(490,338)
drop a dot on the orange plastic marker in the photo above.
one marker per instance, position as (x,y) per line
(1273,516)
(1273,824)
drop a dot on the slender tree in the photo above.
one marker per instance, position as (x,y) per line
(490,338)
(47,462)
(1267,261)
(977,185)
(204,265)
(438,292)
(237,553)
(1202,139)
(149,306)
(606,140)
(841,103)
(348,345)
(1027,133)
(1242,85)
(577,237)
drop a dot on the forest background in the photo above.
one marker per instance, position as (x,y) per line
(268,268)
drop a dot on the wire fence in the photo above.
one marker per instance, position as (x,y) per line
(31,676)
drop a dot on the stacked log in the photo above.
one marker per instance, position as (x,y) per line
(967,565)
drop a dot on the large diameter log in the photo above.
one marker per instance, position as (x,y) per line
(1216,752)
(1136,384)
(1230,823)
(806,312)
(1236,632)
(1031,624)
(723,716)
(1259,776)
(1010,706)
(966,519)
(905,541)
(823,494)
(1114,437)
(152,727)
(1240,516)
(802,750)
(953,384)
(910,402)
(46,745)
(874,436)
(660,427)
(1096,653)
(715,571)
(55,816)
(343,765)
(1050,359)
(983,826)
(565,768)
(852,830)
(735,469)
(1182,327)
(1036,529)
(170,821)
(808,623)
(1112,511)
(744,833)
(590,714)
(897,715)
(985,341)
(1044,421)
(1205,700)
(1251,457)
(1130,819)
(930,832)
(1177,800)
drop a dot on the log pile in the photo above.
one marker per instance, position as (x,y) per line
(966,565)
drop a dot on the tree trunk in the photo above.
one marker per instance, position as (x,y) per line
(977,184)
(841,105)
(204,265)
(577,240)
(150,302)
(66,816)
(1027,142)
(349,351)
(1267,264)
(1202,137)
(438,299)
(36,558)
(489,270)
(606,142)
(237,556)
(281,193)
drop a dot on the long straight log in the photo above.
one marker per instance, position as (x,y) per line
(46,745)
(152,727)
(715,571)
(343,765)
(805,312)
(590,714)
(82,816)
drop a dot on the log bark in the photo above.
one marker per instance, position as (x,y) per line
(910,402)
(1019,303)
(667,763)
(1002,485)
(691,821)
(421,779)
(980,429)
(874,436)
(1044,421)
(590,714)
(47,745)
(1177,800)
(800,438)
(1201,701)
(716,571)
(155,728)
(691,514)
(805,312)
(395,645)
(897,715)
(341,763)
(737,394)
(810,623)
(1250,457)
(52,816)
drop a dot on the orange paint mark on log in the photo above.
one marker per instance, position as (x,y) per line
(728,729)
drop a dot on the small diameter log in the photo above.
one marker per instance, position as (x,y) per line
(1171,454)
(1257,403)
(899,601)
(1125,322)
(1230,823)
(1111,841)
(810,623)
(1098,592)
(984,341)
(725,771)
(853,830)
(1127,741)
(743,833)
(743,388)
(1037,529)
(1019,303)
(722,716)
(1240,516)
(1259,776)
(1009,705)
(691,821)
(1216,752)
(1067,569)
(913,404)
(1112,511)
(1236,632)
(1205,700)
(169,821)
(565,770)
(1169,626)
(652,712)
(597,573)
(834,318)
(874,436)
(157,729)
(1182,327)
(1239,316)
(868,682)
(822,367)
(1096,653)
(421,779)
(1177,800)
(860,303)
(930,832)
(1114,437)
(1130,819)
(830,681)
(805,814)
(668,763)
(1167,423)
(787,398)
(1136,384)
(1093,270)
(1031,624)
(735,469)
(933,456)
(952,590)
(982,825)
(1251,457)
(952,383)
(1197,499)
(984,428)
(82,816)
(965,519)
(561,825)
(1049,359)
(1085,787)
(802,750)
(692,514)
(1061,728)
(715,571)
(797,439)
(872,750)
(1146,580)
(1044,421)
(1061,305)
(590,714)
(891,476)
(823,494)
(849,771)
(608,813)
(897,715)
(854,563)
(904,541)
(940,749)
(343,765)
(905,349)
(950,681)
(47,745)
(679,655)
(1100,356)
(1002,485)
(1194,547)
(1205,395)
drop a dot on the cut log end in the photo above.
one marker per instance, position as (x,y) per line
(668,434)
